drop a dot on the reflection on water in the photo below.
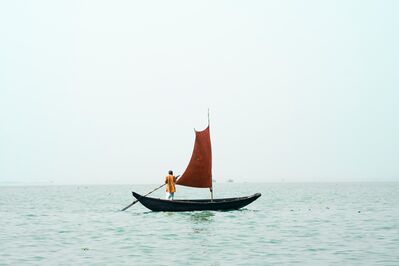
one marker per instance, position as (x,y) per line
(201,221)
(201,217)
(195,216)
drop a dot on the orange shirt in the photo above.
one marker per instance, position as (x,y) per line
(170,183)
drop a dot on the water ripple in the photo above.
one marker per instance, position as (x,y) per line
(311,224)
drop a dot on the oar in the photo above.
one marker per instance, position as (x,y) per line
(134,202)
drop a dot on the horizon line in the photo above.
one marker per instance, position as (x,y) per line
(16,184)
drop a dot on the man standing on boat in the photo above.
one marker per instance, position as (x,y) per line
(170,181)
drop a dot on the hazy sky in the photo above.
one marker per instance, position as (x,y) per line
(110,91)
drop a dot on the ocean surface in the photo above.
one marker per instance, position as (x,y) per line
(293,224)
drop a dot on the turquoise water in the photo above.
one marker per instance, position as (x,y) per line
(304,224)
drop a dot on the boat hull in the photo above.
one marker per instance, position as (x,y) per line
(195,205)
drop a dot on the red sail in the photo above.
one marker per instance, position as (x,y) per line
(199,170)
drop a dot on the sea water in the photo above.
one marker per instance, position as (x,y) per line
(303,224)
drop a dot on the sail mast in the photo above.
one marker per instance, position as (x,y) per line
(211,188)
(208,119)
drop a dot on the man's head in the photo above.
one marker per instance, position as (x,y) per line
(170,172)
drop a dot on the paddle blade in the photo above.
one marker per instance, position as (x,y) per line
(130,205)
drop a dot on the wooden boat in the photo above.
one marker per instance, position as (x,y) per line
(197,174)
(195,204)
